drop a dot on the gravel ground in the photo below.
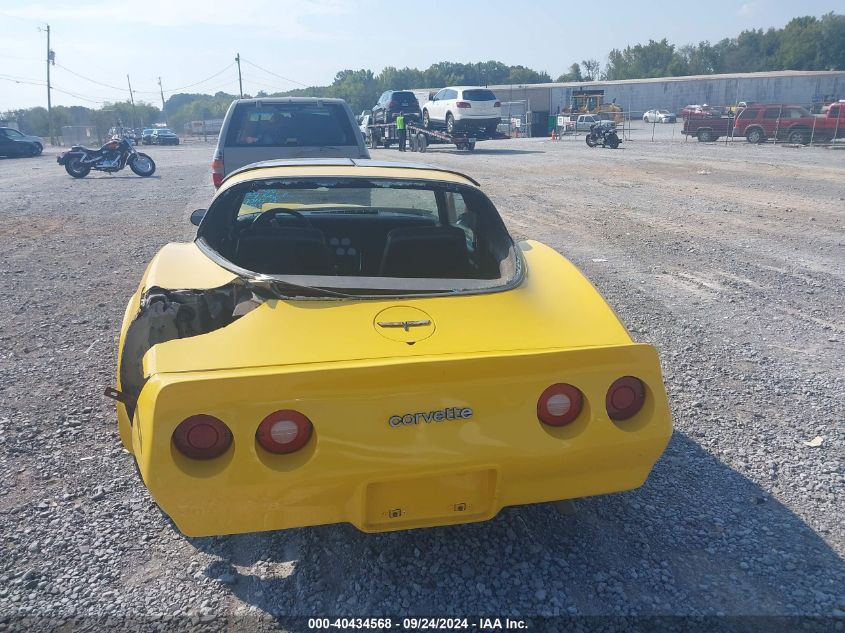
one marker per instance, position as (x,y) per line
(729,259)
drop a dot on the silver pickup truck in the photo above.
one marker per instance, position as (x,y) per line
(271,128)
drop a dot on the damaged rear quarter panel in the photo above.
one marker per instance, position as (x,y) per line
(176,265)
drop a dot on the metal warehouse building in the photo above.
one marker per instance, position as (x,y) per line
(673,93)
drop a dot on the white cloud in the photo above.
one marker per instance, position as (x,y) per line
(750,9)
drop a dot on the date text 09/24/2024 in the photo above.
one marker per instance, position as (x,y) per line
(418,623)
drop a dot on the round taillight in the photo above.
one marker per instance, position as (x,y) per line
(202,437)
(284,431)
(625,398)
(559,405)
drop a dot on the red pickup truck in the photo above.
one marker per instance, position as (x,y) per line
(708,128)
(792,123)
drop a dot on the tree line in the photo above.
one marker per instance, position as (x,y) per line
(805,43)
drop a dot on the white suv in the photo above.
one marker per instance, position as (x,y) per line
(463,109)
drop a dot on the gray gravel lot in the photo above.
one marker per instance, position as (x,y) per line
(730,259)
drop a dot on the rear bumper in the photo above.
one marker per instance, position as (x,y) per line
(358,468)
(464,122)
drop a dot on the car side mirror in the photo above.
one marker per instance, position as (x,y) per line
(431,96)
(197,215)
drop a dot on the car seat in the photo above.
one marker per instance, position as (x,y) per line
(426,251)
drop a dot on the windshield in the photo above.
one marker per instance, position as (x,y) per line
(360,234)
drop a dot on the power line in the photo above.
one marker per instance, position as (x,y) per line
(22,81)
(261,83)
(172,90)
(93,99)
(93,81)
(100,83)
(73,94)
(31,82)
(293,81)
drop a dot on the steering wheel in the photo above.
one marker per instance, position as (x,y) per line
(266,216)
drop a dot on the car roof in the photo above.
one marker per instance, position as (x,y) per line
(258,100)
(327,167)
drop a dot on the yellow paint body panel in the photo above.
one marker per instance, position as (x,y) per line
(334,171)
(491,353)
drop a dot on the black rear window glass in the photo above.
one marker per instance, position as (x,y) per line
(405,98)
(479,95)
(290,125)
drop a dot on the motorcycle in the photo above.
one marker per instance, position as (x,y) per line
(603,133)
(111,157)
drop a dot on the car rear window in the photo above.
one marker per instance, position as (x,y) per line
(405,99)
(376,230)
(479,95)
(290,125)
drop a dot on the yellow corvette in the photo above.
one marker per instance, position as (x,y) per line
(363,341)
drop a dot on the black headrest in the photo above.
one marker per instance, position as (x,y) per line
(425,251)
(288,250)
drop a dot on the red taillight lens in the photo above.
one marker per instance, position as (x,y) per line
(463,104)
(284,431)
(217,171)
(559,405)
(625,398)
(498,104)
(202,437)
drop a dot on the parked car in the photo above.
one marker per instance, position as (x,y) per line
(363,124)
(285,127)
(583,122)
(462,108)
(793,123)
(163,136)
(15,143)
(659,116)
(147,136)
(332,319)
(392,102)
(696,111)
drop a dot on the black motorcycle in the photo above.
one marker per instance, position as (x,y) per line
(603,133)
(111,157)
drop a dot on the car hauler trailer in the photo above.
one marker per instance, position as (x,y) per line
(419,138)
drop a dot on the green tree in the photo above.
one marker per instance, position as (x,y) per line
(592,69)
(655,59)
(573,74)
(800,44)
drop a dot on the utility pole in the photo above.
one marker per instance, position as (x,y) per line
(51,59)
(132,99)
(240,81)
(163,109)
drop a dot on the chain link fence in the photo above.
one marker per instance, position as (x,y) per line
(818,125)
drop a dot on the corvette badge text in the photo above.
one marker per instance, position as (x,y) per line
(443,415)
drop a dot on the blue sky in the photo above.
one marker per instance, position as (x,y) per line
(307,41)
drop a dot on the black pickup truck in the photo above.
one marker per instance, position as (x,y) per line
(708,129)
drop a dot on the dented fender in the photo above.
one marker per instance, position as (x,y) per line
(166,314)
